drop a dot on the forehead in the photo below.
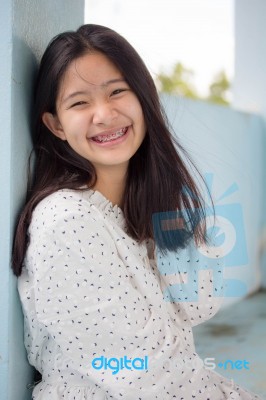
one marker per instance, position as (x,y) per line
(91,70)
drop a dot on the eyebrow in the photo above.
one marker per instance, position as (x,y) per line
(82,92)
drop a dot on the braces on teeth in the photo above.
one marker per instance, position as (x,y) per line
(110,137)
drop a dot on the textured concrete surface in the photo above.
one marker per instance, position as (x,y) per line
(238,332)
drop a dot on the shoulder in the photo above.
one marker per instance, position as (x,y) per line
(61,207)
(66,227)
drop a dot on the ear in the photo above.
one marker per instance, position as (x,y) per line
(52,122)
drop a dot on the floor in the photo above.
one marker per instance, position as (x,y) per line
(238,334)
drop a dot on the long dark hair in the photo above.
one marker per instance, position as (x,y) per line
(158,181)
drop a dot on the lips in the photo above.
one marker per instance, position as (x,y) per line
(108,137)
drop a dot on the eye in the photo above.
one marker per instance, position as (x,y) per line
(78,103)
(118,91)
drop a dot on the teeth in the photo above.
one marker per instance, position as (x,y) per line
(113,136)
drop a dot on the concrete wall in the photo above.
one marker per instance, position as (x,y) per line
(250,56)
(250,79)
(26,26)
(227,146)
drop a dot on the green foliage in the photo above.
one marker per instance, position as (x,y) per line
(218,89)
(180,82)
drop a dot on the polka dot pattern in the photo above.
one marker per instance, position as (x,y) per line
(88,290)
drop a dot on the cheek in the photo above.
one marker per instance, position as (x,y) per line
(136,112)
(75,126)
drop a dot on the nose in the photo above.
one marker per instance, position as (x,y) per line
(104,113)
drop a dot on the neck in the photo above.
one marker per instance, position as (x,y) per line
(111,183)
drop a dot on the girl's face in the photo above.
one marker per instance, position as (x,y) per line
(97,113)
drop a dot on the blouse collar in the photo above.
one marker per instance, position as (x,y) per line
(111,211)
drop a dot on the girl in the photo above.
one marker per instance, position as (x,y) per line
(97,325)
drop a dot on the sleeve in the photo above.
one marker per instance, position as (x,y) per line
(192,282)
(86,302)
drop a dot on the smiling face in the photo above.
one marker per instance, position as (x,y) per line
(97,113)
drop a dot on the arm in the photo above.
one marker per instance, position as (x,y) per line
(192,283)
(87,303)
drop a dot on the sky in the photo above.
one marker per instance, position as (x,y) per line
(198,33)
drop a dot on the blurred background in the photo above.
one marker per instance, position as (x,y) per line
(188,45)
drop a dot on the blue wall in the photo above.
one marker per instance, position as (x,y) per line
(26,26)
(250,74)
(228,146)
(5,160)
(250,56)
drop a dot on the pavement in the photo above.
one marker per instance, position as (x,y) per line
(236,338)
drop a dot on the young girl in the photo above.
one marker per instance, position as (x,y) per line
(97,325)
